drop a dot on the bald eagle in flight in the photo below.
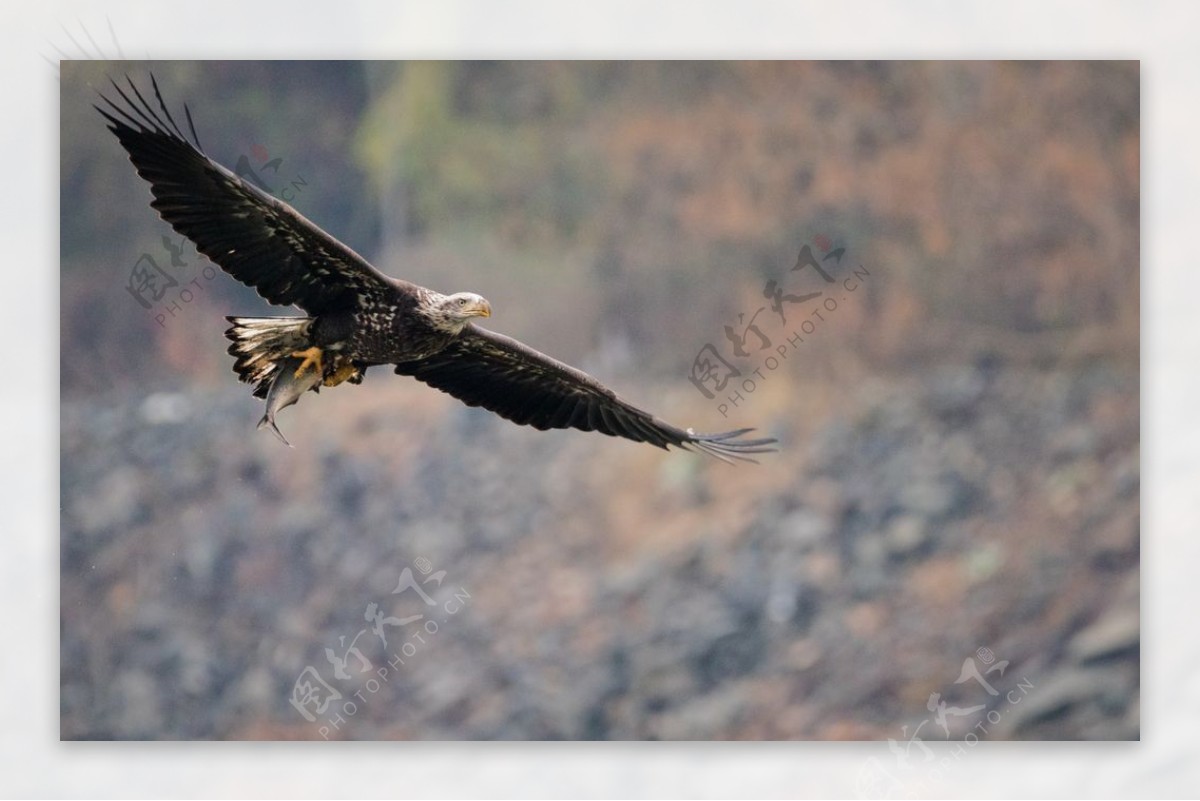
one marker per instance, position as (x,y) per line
(357,317)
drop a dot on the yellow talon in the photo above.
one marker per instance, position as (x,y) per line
(341,374)
(312,357)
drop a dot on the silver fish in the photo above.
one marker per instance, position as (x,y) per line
(285,390)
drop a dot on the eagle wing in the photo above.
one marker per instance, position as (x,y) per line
(486,369)
(258,239)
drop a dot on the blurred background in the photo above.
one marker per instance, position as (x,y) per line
(947,542)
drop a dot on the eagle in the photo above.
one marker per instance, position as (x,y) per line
(356,316)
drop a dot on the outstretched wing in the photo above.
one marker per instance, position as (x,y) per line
(483,368)
(258,239)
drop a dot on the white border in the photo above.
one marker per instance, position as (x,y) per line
(1162,34)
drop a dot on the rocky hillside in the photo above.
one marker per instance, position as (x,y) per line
(947,555)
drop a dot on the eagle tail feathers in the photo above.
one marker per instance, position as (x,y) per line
(261,344)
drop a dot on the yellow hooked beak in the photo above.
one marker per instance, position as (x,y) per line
(483,308)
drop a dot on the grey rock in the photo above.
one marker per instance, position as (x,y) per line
(805,528)
(1114,633)
(906,535)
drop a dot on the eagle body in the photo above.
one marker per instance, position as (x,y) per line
(390,332)
(357,317)
(400,329)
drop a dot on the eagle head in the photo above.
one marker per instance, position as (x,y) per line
(453,312)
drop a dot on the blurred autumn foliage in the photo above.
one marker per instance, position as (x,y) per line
(652,200)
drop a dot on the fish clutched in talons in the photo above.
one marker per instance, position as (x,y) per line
(291,381)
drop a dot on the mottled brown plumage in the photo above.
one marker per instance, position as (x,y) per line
(357,316)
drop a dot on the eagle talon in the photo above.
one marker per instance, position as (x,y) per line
(312,358)
(343,373)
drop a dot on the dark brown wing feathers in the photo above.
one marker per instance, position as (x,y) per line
(258,239)
(492,371)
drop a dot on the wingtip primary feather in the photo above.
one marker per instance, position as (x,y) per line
(162,104)
(192,127)
(727,446)
(138,114)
